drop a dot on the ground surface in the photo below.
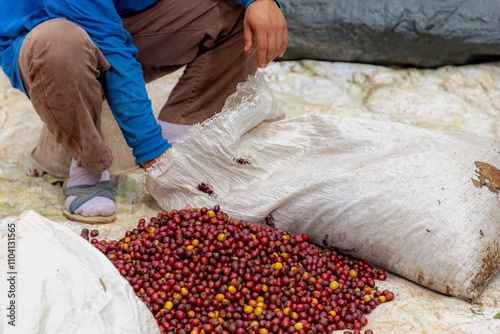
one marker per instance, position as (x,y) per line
(459,98)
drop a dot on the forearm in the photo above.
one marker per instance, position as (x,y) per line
(131,107)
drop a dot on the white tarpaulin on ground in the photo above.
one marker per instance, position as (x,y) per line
(398,196)
(64,285)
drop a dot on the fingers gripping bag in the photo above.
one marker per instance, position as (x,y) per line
(421,203)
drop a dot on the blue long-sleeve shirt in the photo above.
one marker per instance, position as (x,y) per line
(124,87)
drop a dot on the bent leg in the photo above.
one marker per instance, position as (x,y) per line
(62,70)
(204,35)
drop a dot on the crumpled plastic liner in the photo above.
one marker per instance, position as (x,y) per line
(65,285)
(398,196)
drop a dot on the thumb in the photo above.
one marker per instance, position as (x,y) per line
(248,37)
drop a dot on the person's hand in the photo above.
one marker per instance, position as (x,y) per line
(265,24)
(147,164)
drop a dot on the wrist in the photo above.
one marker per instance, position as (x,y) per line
(150,163)
(276,1)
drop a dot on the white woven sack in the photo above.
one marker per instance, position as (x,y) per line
(63,284)
(397,196)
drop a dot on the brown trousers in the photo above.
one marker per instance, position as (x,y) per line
(62,69)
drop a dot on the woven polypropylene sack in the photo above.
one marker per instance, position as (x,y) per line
(398,196)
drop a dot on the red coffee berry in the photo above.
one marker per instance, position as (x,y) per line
(193,266)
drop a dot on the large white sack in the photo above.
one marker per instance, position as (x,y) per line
(64,285)
(400,197)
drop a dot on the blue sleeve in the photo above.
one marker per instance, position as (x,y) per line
(125,88)
(247,2)
(244,2)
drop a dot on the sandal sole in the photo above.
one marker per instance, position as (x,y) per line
(89,220)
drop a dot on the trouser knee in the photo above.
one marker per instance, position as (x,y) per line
(61,49)
(61,70)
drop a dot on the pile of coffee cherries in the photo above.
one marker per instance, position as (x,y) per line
(200,271)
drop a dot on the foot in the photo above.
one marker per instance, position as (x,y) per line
(96,206)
